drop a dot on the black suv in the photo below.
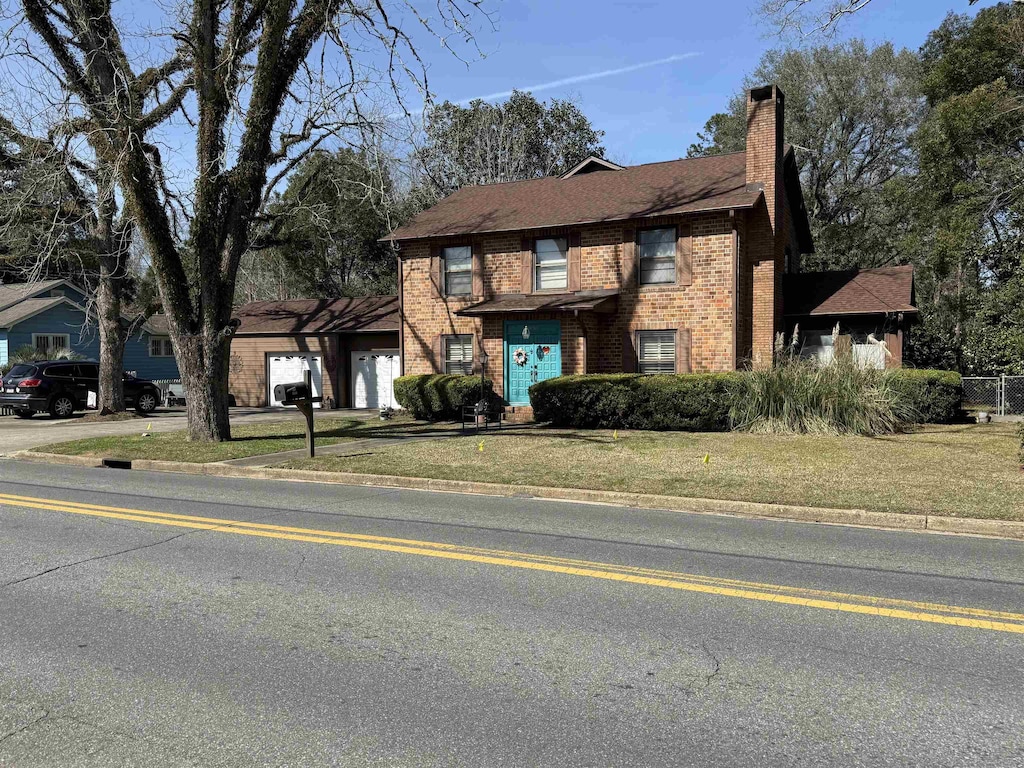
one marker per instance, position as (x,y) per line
(60,387)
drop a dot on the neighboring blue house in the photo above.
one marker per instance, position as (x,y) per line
(50,315)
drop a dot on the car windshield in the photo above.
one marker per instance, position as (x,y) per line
(22,370)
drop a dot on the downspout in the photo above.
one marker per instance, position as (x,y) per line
(401,315)
(735,289)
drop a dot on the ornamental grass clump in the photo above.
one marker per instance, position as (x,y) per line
(802,396)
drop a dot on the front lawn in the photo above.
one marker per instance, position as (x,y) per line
(247,440)
(962,470)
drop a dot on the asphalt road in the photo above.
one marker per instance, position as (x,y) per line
(300,625)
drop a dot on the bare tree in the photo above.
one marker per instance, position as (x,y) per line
(810,17)
(256,97)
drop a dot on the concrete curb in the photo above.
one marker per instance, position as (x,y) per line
(1006,529)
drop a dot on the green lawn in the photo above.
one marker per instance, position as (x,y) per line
(247,440)
(963,470)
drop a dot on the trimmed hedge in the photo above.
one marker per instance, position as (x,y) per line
(439,397)
(700,402)
(696,402)
(935,396)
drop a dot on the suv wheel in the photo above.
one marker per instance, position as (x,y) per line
(61,407)
(146,403)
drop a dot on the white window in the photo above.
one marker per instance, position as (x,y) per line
(458,270)
(551,264)
(50,344)
(657,255)
(819,346)
(458,354)
(656,351)
(160,346)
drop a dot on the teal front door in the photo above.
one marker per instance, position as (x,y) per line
(533,352)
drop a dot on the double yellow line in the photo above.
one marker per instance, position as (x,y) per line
(934,613)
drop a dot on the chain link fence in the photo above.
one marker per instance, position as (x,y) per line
(999,395)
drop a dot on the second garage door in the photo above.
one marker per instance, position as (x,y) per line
(373,378)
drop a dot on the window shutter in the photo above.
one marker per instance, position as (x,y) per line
(478,268)
(629,265)
(574,261)
(438,347)
(684,255)
(477,339)
(628,352)
(526,253)
(683,351)
(436,287)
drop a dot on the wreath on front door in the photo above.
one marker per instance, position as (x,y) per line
(519,356)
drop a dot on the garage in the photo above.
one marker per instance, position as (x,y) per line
(284,368)
(373,378)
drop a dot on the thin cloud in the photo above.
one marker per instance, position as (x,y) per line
(587,77)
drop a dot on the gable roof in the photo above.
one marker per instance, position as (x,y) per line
(27,308)
(12,293)
(592,164)
(309,316)
(849,292)
(655,189)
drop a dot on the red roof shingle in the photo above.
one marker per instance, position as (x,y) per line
(656,189)
(348,315)
(850,292)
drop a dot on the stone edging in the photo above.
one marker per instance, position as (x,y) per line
(892,520)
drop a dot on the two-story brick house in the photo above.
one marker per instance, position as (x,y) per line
(664,267)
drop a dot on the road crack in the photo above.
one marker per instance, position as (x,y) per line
(22,729)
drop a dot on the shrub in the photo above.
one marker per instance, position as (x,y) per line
(439,397)
(800,396)
(685,402)
(934,396)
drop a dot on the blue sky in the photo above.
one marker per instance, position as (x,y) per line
(652,113)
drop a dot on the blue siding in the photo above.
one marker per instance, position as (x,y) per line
(86,341)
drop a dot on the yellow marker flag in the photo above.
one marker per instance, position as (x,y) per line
(707,459)
(480,447)
(615,435)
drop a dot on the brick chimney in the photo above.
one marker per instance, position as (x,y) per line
(767,235)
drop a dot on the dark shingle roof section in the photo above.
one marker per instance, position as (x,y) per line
(349,315)
(851,292)
(655,189)
(28,308)
(12,293)
(583,301)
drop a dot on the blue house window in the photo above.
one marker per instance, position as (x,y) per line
(49,344)
(160,346)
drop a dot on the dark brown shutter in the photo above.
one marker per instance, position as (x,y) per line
(684,255)
(628,352)
(629,265)
(574,261)
(526,253)
(439,353)
(436,288)
(478,268)
(683,350)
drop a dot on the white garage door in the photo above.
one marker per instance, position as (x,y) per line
(289,367)
(373,378)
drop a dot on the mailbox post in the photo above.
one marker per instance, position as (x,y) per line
(300,394)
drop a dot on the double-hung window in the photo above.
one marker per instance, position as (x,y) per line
(551,264)
(656,351)
(160,346)
(458,270)
(49,344)
(458,354)
(657,255)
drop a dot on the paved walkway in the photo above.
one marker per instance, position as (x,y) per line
(362,446)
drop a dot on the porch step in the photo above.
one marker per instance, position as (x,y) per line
(519,414)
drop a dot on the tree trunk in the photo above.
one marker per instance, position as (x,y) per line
(203,363)
(110,398)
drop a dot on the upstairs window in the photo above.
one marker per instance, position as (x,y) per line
(551,264)
(657,256)
(458,270)
(160,346)
(458,354)
(657,351)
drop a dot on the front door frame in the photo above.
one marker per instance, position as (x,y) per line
(508,348)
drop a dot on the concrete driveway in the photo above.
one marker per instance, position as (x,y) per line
(22,434)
